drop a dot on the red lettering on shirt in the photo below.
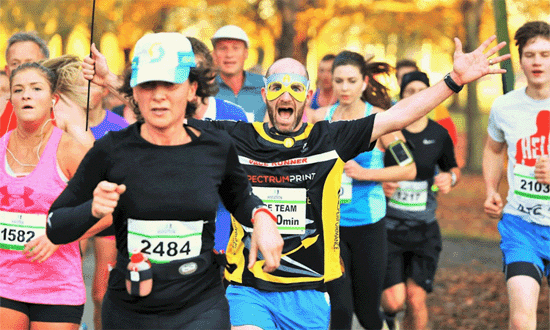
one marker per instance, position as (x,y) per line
(528,149)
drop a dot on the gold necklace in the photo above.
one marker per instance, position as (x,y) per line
(37,149)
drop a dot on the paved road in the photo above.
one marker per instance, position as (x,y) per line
(455,252)
(88,271)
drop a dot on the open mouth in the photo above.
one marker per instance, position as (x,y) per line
(158,110)
(28,107)
(285,113)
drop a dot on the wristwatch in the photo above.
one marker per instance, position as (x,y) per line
(453,179)
(451,83)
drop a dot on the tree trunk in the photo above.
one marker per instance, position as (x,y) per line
(285,43)
(471,11)
(501,19)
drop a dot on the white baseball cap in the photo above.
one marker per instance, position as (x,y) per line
(165,56)
(230,32)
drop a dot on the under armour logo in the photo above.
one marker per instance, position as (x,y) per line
(27,192)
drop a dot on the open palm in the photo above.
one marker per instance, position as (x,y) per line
(471,66)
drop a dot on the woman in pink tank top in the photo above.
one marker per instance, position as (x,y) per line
(41,284)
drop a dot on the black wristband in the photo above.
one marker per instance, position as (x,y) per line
(451,83)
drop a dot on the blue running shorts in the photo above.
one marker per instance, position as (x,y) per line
(523,241)
(300,309)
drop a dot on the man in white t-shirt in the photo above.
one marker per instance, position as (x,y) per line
(519,125)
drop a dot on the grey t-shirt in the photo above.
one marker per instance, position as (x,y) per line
(523,124)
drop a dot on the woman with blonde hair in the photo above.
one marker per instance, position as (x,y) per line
(71,116)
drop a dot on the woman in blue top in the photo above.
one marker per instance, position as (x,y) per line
(362,232)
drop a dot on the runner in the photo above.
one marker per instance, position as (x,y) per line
(22,47)
(440,114)
(275,156)
(73,90)
(296,168)
(41,284)
(363,242)
(4,90)
(160,181)
(324,94)
(414,240)
(403,67)
(519,126)
(208,107)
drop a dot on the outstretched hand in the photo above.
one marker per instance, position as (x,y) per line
(472,66)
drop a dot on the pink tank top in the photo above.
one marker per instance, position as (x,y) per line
(24,205)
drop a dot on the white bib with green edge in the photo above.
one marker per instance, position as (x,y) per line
(17,229)
(410,196)
(165,240)
(527,189)
(346,189)
(288,205)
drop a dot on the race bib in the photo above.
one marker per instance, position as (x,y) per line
(410,196)
(17,229)
(288,205)
(526,186)
(165,240)
(346,189)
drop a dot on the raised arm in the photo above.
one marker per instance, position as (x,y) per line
(96,70)
(466,68)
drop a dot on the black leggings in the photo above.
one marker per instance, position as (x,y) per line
(364,251)
(210,313)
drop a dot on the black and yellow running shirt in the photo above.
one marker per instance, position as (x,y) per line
(298,177)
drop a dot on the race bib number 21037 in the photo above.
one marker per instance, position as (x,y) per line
(526,186)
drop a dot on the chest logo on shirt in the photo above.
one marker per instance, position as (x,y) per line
(529,148)
(426,141)
(288,142)
(25,196)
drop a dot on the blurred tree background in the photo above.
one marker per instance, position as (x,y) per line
(421,30)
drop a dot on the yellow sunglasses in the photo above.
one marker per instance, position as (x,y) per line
(279,83)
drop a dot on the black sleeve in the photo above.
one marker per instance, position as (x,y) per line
(447,159)
(226,125)
(236,191)
(70,215)
(352,137)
